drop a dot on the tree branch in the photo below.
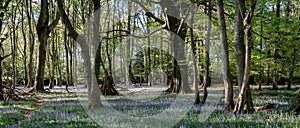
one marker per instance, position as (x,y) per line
(3,57)
(66,20)
(54,23)
(149,14)
(6,4)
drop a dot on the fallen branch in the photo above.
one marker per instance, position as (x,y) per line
(268,107)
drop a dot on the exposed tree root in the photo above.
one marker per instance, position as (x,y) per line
(47,90)
(267,107)
(10,94)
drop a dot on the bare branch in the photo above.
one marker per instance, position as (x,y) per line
(66,20)
(54,23)
(3,57)
(149,14)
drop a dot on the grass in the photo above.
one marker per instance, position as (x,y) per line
(61,109)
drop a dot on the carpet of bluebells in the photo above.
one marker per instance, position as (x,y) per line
(62,109)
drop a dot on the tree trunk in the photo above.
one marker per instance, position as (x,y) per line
(42,37)
(53,61)
(127,46)
(66,41)
(207,79)
(239,39)
(179,74)
(43,30)
(31,44)
(2,57)
(229,104)
(260,53)
(195,72)
(291,72)
(1,86)
(276,52)
(244,98)
(14,50)
(108,84)
(93,96)
(24,47)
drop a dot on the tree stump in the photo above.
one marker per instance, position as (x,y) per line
(107,87)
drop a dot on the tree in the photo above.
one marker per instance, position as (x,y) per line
(229,104)
(3,7)
(207,79)
(276,52)
(43,31)
(244,97)
(29,14)
(178,32)
(108,84)
(195,72)
(239,39)
(93,89)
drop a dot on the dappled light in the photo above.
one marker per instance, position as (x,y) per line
(149,64)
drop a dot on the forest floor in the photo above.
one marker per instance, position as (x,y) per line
(61,109)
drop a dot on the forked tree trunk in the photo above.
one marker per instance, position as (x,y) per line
(244,97)
(179,78)
(177,36)
(43,30)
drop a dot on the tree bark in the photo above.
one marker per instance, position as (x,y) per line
(195,72)
(3,6)
(260,52)
(229,104)
(31,44)
(14,49)
(53,63)
(66,41)
(207,79)
(127,46)
(43,30)
(239,39)
(276,52)
(24,47)
(244,97)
